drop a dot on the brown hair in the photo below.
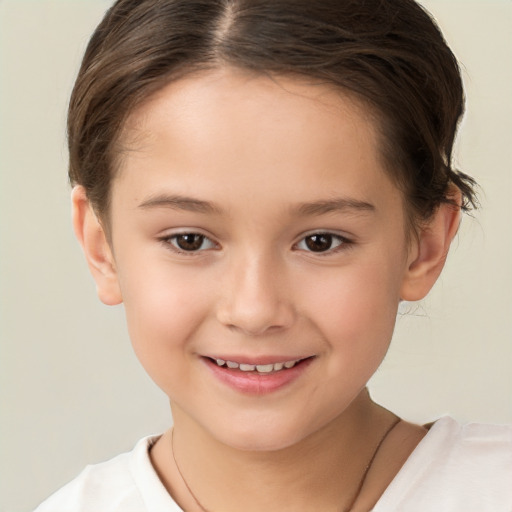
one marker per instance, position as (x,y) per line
(389,53)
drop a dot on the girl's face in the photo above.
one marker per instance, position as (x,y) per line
(253,224)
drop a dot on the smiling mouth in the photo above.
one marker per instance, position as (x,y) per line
(263,369)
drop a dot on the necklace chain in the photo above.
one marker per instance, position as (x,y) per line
(199,504)
(359,487)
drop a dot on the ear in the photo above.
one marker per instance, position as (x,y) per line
(428,254)
(92,238)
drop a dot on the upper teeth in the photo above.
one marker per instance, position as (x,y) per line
(261,368)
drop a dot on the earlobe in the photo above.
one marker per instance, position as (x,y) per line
(431,250)
(92,238)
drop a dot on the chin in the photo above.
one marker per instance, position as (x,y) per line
(262,435)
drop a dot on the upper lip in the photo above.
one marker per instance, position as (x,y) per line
(257,360)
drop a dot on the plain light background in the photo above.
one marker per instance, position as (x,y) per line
(71,391)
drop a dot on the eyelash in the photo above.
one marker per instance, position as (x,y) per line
(343,243)
(168,241)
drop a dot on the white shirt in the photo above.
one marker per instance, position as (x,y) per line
(455,468)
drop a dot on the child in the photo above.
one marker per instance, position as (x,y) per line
(261,183)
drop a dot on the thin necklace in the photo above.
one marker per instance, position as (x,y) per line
(358,490)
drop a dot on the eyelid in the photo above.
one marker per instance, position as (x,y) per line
(345,242)
(166,240)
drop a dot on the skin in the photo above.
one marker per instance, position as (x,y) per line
(276,160)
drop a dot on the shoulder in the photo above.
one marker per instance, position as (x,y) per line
(126,483)
(455,467)
(471,447)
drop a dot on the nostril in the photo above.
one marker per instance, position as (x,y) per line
(254,300)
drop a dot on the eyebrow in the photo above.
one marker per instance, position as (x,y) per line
(177,202)
(321,207)
(334,205)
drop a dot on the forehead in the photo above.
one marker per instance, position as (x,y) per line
(228,130)
(223,97)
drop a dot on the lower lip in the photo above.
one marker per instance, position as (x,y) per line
(257,383)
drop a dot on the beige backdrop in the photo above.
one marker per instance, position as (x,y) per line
(71,390)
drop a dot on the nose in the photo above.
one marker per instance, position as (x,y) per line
(255,297)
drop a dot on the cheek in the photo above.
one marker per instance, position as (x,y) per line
(163,309)
(356,306)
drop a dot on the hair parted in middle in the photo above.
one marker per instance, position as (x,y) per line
(390,55)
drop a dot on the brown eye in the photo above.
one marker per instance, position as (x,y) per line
(321,242)
(190,242)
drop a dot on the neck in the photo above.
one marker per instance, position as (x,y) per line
(321,472)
